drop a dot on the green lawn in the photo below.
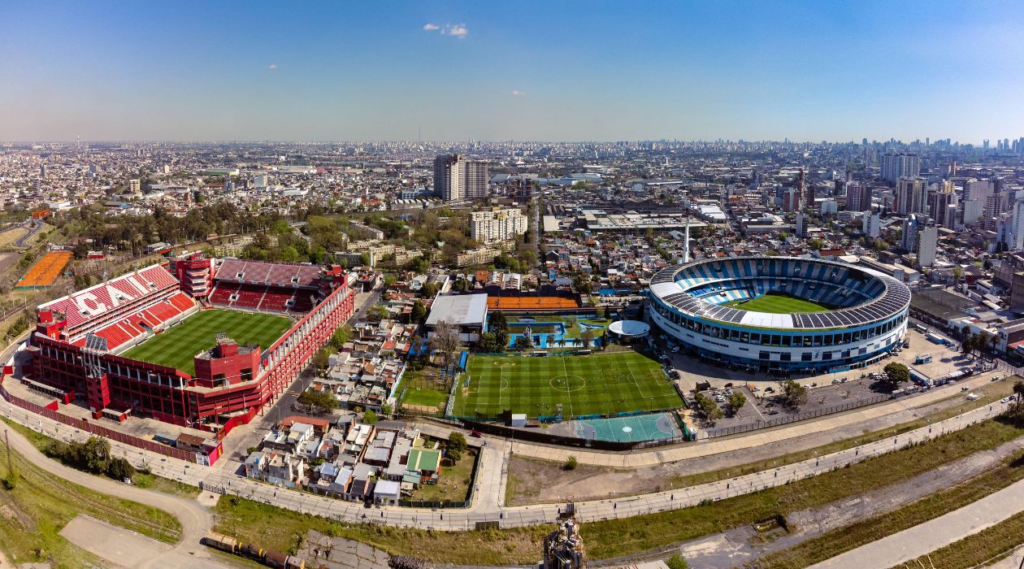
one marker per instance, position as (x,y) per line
(602,383)
(776,304)
(178,346)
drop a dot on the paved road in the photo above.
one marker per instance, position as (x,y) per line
(933,534)
(33,228)
(195,519)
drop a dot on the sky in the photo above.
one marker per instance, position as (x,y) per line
(551,70)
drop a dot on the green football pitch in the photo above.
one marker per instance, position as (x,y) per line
(584,385)
(777,304)
(178,346)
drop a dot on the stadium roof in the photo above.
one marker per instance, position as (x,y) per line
(465,310)
(894,298)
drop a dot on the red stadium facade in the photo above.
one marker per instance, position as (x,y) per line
(78,338)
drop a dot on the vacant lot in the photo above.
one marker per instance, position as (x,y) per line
(178,346)
(605,383)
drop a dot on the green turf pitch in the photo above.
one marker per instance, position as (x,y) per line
(584,385)
(178,346)
(777,304)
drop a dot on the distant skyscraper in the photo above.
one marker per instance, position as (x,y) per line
(456,178)
(42,171)
(790,199)
(135,186)
(442,174)
(902,165)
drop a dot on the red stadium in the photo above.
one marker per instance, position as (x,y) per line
(81,340)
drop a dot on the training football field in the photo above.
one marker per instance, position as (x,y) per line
(777,304)
(602,383)
(178,346)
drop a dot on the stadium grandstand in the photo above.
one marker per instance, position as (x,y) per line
(781,314)
(126,344)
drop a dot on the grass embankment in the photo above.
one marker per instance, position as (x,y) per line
(33,513)
(872,529)
(144,480)
(980,549)
(271,527)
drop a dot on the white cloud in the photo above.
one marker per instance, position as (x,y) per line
(273,66)
(457,30)
(518,93)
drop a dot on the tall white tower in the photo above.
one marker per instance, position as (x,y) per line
(686,245)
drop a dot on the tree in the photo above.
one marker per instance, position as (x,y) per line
(364,259)
(793,394)
(120,469)
(895,374)
(677,562)
(498,322)
(958,273)
(582,284)
(445,340)
(523,342)
(419,312)
(429,290)
(736,401)
(321,359)
(340,337)
(571,463)
(325,401)
(370,417)
(1018,390)
(708,408)
(377,313)
(600,311)
(456,446)
(588,337)
(385,410)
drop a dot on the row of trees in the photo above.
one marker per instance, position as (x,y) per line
(91,456)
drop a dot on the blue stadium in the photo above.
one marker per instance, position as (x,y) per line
(781,314)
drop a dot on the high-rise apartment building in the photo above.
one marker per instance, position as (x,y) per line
(911,225)
(858,197)
(457,179)
(497,225)
(927,241)
(911,196)
(135,186)
(902,165)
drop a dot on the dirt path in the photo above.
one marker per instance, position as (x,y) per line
(545,482)
(195,519)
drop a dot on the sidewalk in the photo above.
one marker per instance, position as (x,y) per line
(934,534)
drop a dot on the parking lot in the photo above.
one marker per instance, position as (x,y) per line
(944,360)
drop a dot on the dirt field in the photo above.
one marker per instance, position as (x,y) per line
(541,482)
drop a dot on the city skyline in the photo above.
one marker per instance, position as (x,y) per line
(459,71)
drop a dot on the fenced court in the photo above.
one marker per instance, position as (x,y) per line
(46,271)
(650,427)
(589,386)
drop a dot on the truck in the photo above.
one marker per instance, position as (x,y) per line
(923,360)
